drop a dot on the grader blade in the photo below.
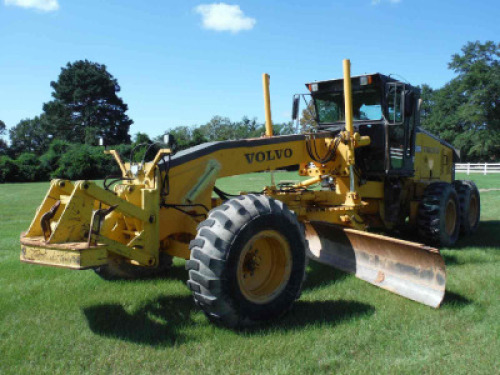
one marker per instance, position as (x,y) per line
(412,270)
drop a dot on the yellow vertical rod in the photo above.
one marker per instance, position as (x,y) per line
(348,97)
(349,127)
(267,105)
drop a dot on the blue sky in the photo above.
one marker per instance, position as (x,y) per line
(182,62)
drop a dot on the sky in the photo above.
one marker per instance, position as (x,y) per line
(183,62)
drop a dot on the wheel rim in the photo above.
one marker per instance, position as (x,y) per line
(264,266)
(451,217)
(473,211)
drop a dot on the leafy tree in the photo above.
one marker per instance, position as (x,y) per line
(197,137)
(183,136)
(284,129)
(83,162)
(8,169)
(3,144)
(86,105)
(31,135)
(141,138)
(219,129)
(308,119)
(250,128)
(50,160)
(29,168)
(466,111)
(426,94)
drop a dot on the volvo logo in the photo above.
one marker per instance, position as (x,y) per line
(263,156)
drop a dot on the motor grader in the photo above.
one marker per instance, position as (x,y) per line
(369,168)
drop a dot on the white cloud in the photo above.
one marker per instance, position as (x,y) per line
(224,17)
(377,2)
(43,5)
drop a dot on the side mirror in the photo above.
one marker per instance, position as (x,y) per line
(295,107)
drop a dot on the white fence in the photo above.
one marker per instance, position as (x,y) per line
(483,168)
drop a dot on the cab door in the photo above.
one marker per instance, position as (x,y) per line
(399,129)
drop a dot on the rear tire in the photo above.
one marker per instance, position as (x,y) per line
(439,214)
(119,269)
(247,261)
(470,206)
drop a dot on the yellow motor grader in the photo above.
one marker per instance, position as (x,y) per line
(369,167)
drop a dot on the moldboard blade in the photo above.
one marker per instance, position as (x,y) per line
(410,269)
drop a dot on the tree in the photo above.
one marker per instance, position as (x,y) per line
(141,138)
(426,94)
(466,111)
(29,168)
(285,128)
(31,135)
(86,106)
(219,129)
(3,144)
(8,169)
(308,118)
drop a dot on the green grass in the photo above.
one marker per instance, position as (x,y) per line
(491,181)
(60,321)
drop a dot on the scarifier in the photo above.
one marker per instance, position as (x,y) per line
(370,168)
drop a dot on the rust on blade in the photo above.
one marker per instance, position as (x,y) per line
(410,269)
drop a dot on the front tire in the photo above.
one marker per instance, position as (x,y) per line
(247,261)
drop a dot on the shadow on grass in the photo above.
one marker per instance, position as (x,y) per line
(307,313)
(487,235)
(455,300)
(157,323)
(320,275)
(454,260)
(162,321)
(176,273)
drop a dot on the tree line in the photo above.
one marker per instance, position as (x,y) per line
(86,115)
(63,141)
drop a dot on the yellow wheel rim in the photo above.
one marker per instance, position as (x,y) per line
(264,266)
(473,210)
(451,217)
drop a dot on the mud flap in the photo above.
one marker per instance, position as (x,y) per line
(410,269)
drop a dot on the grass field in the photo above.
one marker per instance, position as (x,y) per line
(60,321)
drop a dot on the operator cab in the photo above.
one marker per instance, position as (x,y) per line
(383,109)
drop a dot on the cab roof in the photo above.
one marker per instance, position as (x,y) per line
(338,84)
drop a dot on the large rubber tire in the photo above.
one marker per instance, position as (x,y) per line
(439,215)
(470,206)
(118,269)
(234,284)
